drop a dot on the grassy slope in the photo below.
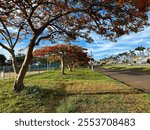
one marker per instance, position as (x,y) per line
(141,68)
(78,91)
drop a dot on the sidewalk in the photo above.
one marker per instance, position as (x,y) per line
(138,80)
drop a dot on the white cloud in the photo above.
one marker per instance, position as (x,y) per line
(103,48)
(11,29)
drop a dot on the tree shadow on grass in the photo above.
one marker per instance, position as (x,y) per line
(38,99)
(106,93)
(53,99)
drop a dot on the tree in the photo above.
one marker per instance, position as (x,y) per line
(123,57)
(70,55)
(39,20)
(76,55)
(141,53)
(140,48)
(2,60)
(132,56)
(148,61)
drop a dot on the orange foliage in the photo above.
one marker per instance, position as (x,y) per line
(73,54)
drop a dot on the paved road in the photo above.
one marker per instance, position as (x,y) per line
(138,80)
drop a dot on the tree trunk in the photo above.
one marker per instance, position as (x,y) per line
(73,67)
(92,68)
(62,66)
(18,83)
(14,64)
(70,68)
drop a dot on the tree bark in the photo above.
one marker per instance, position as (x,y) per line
(92,68)
(14,64)
(73,67)
(70,68)
(18,83)
(62,66)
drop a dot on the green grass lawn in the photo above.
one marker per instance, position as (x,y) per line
(79,91)
(140,68)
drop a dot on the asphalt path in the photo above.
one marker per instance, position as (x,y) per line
(138,80)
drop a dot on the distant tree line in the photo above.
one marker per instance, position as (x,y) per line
(139,55)
(68,55)
(2,60)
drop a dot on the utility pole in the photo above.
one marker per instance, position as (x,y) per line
(91,61)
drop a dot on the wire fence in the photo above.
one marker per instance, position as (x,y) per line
(6,72)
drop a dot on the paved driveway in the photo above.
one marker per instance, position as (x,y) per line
(138,80)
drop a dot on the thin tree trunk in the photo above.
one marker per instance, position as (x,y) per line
(14,64)
(62,66)
(92,68)
(18,83)
(70,68)
(73,67)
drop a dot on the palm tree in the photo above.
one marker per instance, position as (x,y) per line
(132,55)
(140,49)
(123,57)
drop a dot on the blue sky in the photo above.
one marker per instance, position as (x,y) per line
(101,48)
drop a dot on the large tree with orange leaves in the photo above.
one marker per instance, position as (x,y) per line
(52,19)
(70,55)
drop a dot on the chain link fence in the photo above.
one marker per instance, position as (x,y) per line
(6,72)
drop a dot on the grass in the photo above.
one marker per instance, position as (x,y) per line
(140,68)
(79,91)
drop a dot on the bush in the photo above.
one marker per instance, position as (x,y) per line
(148,61)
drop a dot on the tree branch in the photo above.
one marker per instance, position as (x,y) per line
(17,37)
(3,36)
(5,47)
(41,29)
(28,17)
(45,37)
(10,43)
